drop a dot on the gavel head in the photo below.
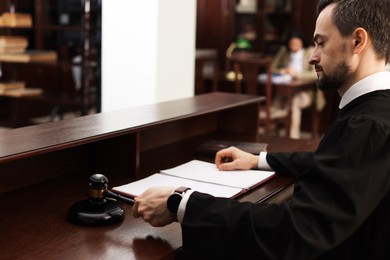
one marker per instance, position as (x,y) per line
(98,184)
(96,210)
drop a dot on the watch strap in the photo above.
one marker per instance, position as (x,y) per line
(174,200)
(181,190)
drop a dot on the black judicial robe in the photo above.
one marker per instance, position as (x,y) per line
(341,203)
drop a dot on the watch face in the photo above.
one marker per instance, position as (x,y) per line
(173,202)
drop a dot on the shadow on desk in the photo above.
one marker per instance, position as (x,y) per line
(141,247)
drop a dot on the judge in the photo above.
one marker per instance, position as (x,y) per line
(340,207)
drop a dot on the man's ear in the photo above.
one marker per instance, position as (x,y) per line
(360,38)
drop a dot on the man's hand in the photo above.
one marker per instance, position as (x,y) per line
(151,205)
(233,158)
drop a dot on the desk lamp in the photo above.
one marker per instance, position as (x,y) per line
(101,207)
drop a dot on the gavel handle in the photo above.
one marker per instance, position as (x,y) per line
(118,197)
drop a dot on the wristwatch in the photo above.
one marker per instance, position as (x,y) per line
(174,200)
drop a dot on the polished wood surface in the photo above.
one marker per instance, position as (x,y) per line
(33,220)
(33,226)
(45,169)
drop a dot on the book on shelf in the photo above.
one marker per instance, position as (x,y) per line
(16,20)
(23,92)
(13,41)
(200,176)
(11,85)
(211,147)
(12,49)
(30,56)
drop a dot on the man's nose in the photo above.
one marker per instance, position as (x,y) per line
(313,59)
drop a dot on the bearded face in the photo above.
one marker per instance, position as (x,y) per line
(335,79)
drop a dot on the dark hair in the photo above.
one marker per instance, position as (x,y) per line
(296,34)
(372,15)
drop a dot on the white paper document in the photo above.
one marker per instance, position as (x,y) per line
(200,176)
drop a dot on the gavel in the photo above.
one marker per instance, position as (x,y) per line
(98,191)
(101,207)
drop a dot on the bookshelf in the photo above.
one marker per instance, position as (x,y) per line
(265,22)
(70,31)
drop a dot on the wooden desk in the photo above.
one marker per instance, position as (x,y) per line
(44,169)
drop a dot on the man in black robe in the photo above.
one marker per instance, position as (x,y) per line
(341,203)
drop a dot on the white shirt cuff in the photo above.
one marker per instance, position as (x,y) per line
(182,205)
(263,164)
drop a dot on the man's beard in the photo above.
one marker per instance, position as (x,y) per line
(335,81)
